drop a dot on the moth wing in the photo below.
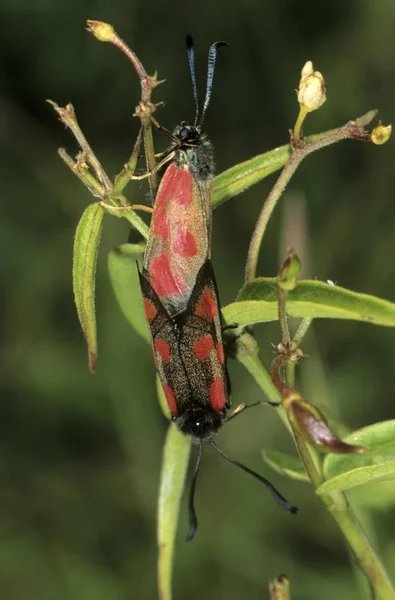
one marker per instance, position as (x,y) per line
(180,236)
(165,347)
(201,344)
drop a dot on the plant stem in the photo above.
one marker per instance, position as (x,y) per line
(368,559)
(266,212)
(145,107)
(299,122)
(302,330)
(301,149)
(282,315)
(67,115)
(93,185)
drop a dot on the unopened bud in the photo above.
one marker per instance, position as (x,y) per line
(311,93)
(289,271)
(381,134)
(279,588)
(104,32)
(312,426)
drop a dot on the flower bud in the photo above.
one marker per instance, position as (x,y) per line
(381,134)
(104,32)
(289,271)
(279,588)
(311,93)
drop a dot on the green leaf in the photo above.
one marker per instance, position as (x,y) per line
(174,469)
(286,464)
(235,180)
(86,248)
(343,472)
(257,303)
(379,495)
(125,282)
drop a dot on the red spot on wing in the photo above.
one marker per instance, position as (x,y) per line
(150,310)
(203,347)
(163,280)
(176,187)
(160,223)
(220,352)
(184,243)
(163,349)
(217,394)
(180,187)
(171,400)
(207,306)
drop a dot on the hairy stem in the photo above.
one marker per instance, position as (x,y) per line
(301,149)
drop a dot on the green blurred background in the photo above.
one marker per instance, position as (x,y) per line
(80,454)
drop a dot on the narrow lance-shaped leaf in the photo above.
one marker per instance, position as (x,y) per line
(174,469)
(257,303)
(235,180)
(377,464)
(86,247)
(122,267)
(286,464)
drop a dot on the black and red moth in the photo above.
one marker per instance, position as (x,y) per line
(180,293)
(190,359)
(189,356)
(179,240)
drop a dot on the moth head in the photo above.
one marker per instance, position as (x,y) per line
(199,422)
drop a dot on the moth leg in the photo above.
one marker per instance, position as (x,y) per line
(167,158)
(142,207)
(242,407)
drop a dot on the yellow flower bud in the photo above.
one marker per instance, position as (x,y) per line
(311,93)
(381,134)
(104,32)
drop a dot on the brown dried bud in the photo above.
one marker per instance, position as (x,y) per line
(311,424)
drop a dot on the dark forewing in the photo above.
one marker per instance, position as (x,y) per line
(200,342)
(165,347)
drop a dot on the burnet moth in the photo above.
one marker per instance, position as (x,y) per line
(180,293)
(179,241)
(190,359)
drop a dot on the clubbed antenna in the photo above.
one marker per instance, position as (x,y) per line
(281,501)
(193,522)
(212,57)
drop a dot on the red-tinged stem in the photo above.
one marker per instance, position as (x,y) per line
(141,72)
(145,108)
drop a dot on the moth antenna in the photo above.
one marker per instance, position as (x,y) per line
(191,60)
(193,522)
(212,57)
(281,501)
